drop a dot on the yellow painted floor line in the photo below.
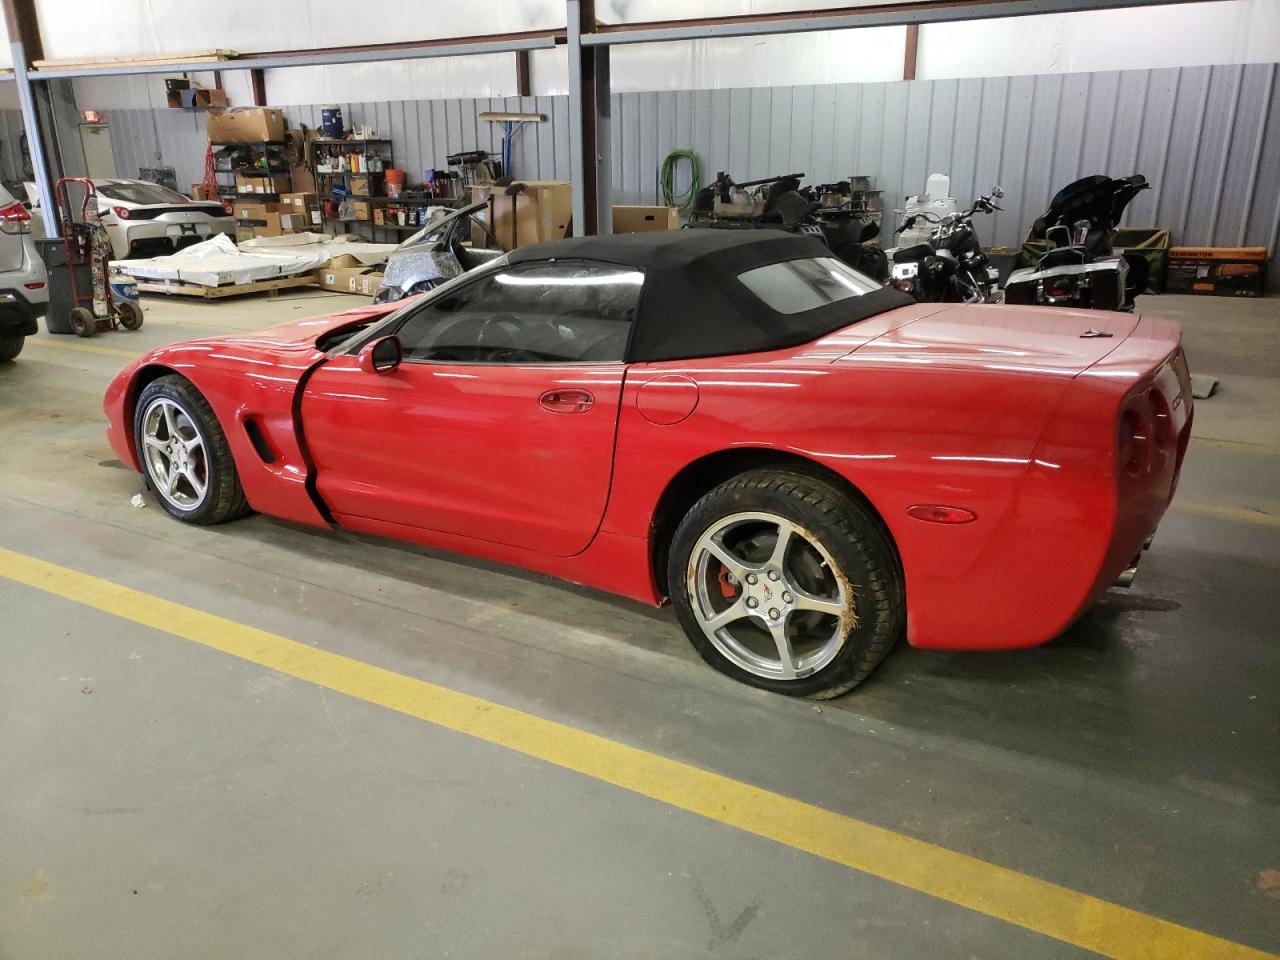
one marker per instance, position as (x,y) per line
(1221,512)
(1037,905)
(83,348)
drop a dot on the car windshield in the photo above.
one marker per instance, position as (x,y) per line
(795,286)
(139,191)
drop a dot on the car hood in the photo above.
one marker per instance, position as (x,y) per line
(1001,337)
(295,344)
(303,335)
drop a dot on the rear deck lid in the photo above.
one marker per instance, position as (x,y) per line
(1002,337)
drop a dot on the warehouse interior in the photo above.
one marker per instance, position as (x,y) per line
(308,732)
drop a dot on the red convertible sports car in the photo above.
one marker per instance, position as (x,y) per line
(807,464)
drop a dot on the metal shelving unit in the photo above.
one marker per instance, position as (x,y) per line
(373,156)
(277,165)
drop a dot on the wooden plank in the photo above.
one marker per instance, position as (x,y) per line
(177,288)
(201,56)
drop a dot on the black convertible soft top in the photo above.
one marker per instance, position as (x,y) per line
(694,305)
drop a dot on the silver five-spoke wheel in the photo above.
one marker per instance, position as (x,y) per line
(769,596)
(174,454)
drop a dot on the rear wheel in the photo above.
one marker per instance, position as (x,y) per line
(83,322)
(785,582)
(185,454)
(10,347)
(130,314)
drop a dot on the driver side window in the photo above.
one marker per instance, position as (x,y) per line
(558,311)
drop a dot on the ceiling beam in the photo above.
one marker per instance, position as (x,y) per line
(326,56)
(845,18)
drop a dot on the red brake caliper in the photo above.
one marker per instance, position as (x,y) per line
(727,585)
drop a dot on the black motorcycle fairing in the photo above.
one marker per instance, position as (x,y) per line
(1100,200)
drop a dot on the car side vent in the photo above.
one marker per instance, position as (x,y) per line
(259,441)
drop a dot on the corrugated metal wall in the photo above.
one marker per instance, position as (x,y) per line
(1207,138)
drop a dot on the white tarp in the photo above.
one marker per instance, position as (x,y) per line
(366,253)
(218,261)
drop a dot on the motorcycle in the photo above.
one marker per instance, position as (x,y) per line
(830,212)
(1080,268)
(950,267)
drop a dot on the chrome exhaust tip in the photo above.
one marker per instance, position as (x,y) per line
(1128,573)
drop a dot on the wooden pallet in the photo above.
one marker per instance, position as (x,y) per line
(271,287)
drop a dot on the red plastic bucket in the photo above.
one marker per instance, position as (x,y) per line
(394,181)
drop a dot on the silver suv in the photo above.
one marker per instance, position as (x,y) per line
(24,289)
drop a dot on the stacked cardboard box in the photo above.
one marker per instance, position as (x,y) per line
(255,219)
(299,212)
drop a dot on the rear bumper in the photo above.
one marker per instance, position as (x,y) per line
(18,314)
(146,236)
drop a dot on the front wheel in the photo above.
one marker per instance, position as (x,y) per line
(785,582)
(10,347)
(185,454)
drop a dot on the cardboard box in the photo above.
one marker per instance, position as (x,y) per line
(255,211)
(361,185)
(362,280)
(262,218)
(251,183)
(200,192)
(246,125)
(1217,271)
(244,233)
(361,210)
(629,219)
(302,211)
(379,216)
(538,213)
(298,202)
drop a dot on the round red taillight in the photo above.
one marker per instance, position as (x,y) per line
(1162,430)
(1135,441)
(122,212)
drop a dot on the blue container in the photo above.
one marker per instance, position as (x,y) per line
(124,289)
(331,122)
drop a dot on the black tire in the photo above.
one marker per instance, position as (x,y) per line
(130,314)
(10,347)
(851,535)
(224,498)
(83,322)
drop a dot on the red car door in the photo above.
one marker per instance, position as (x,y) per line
(499,424)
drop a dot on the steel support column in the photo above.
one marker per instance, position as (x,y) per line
(35,139)
(602,140)
(579,188)
(589,117)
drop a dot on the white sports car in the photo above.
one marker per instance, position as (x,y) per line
(145,219)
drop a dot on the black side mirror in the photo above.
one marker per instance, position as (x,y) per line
(382,356)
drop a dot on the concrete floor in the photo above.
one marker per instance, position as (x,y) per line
(160,799)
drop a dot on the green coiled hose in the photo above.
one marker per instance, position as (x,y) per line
(667,180)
